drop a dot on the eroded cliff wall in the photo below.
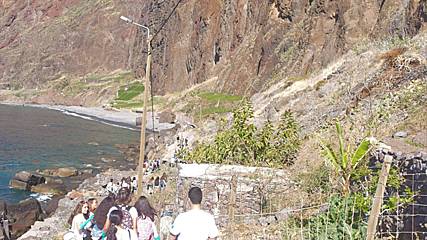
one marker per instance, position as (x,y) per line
(246,44)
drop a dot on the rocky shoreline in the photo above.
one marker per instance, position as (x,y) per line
(59,186)
(115,117)
(56,225)
(50,217)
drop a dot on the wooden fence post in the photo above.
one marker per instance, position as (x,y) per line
(378,199)
(232,204)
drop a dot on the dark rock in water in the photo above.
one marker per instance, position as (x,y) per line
(35,180)
(30,178)
(19,184)
(27,177)
(24,180)
(23,215)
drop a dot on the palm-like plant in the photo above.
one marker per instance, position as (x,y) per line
(345,160)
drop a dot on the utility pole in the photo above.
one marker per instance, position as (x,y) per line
(140,168)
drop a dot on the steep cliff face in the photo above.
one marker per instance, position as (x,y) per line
(44,40)
(248,44)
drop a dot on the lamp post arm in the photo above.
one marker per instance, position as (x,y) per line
(145,27)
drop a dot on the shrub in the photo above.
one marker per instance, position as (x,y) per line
(244,144)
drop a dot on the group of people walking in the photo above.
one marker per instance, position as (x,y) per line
(129,183)
(115,219)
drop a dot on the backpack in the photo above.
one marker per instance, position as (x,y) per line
(144,228)
(127,218)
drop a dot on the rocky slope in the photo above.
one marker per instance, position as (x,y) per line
(45,45)
(248,45)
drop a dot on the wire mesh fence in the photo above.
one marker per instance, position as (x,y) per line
(333,216)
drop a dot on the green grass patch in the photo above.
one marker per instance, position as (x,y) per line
(202,104)
(137,103)
(128,92)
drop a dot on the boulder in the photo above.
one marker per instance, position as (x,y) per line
(31,179)
(60,172)
(67,172)
(50,180)
(23,176)
(401,134)
(52,205)
(36,179)
(23,215)
(167,117)
(50,188)
(75,194)
(14,183)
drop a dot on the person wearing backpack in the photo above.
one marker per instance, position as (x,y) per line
(130,214)
(116,230)
(100,217)
(145,226)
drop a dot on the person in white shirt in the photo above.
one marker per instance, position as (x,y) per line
(125,184)
(134,185)
(194,224)
(80,216)
(110,186)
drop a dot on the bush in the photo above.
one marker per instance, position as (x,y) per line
(346,218)
(244,144)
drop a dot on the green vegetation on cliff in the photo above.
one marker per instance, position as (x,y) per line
(243,143)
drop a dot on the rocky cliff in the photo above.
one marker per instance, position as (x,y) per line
(44,40)
(249,44)
(246,44)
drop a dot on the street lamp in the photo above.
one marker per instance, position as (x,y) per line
(141,169)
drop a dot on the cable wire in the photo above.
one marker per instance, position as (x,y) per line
(167,19)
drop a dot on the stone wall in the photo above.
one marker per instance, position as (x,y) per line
(254,190)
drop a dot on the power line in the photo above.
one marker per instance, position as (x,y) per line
(151,80)
(167,19)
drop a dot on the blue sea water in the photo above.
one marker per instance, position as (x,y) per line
(36,138)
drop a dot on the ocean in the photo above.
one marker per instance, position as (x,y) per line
(37,138)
